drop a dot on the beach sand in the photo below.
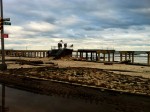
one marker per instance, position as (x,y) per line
(80,79)
(133,70)
(122,77)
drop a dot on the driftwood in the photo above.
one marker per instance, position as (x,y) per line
(108,63)
(22,62)
(125,62)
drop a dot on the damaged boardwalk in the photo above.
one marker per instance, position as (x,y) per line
(99,55)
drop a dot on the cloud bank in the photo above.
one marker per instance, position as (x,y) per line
(97,24)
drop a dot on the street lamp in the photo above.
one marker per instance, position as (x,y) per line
(3,66)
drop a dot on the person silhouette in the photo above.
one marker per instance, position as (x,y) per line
(65,45)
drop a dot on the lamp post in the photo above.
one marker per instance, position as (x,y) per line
(3,66)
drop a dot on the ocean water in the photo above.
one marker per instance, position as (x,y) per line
(140,58)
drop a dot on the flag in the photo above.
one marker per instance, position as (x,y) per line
(71,45)
(61,41)
(5,35)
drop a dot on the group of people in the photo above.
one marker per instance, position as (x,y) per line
(61,43)
(60,46)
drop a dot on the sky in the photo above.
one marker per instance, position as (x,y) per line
(87,24)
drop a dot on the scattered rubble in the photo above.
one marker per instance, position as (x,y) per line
(88,76)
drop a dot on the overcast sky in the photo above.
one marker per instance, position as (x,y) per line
(97,24)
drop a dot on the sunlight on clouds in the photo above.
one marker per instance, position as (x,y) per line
(41,26)
(142,10)
(71,20)
(13,29)
(106,14)
(18,32)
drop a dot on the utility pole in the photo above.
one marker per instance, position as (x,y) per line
(3,98)
(3,66)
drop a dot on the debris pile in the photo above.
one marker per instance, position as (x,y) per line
(88,76)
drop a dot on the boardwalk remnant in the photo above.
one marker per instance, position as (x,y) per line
(129,55)
(96,54)
(148,58)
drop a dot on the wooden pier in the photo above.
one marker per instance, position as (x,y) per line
(148,58)
(96,55)
(100,55)
(26,53)
(129,55)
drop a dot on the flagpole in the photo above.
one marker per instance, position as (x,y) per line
(3,66)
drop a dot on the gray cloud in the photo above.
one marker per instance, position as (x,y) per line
(118,20)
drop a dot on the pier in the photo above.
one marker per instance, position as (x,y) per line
(96,55)
(148,58)
(99,54)
(129,55)
(26,53)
